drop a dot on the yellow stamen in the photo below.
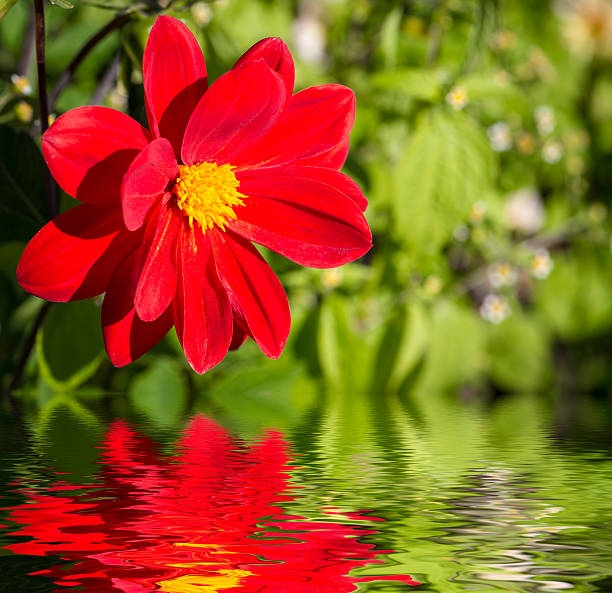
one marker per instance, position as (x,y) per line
(208,194)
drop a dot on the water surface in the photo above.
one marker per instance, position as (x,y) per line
(362,493)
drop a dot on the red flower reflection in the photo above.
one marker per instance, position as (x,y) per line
(205,520)
(168,215)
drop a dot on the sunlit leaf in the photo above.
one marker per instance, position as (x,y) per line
(62,3)
(446,167)
(67,433)
(70,345)
(412,345)
(575,298)
(518,353)
(342,355)
(415,83)
(5,6)
(455,352)
(253,399)
(160,392)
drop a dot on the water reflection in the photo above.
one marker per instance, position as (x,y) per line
(210,516)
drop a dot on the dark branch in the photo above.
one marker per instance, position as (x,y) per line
(42,98)
(68,73)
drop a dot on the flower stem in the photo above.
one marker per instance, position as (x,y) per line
(42,98)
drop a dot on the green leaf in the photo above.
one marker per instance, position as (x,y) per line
(414,83)
(401,347)
(342,355)
(62,4)
(456,347)
(518,351)
(389,36)
(415,335)
(22,189)
(272,395)
(160,392)
(447,165)
(5,6)
(70,345)
(575,298)
(68,434)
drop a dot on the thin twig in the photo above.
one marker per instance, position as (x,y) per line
(42,98)
(108,79)
(435,34)
(68,73)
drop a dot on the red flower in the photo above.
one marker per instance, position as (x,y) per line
(211,517)
(168,215)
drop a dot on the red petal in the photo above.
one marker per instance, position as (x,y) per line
(88,149)
(202,312)
(304,219)
(334,158)
(126,336)
(335,179)
(277,55)
(174,78)
(313,129)
(254,291)
(149,176)
(239,108)
(157,284)
(239,335)
(74,256)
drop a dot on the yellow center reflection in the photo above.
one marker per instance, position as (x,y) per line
(211,582)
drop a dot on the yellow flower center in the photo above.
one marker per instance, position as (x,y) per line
(208,194)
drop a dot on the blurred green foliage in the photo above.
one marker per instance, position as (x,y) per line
(483,141)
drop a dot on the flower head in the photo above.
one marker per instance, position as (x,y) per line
(552,152)
(21,84)
(457,97)
(499,136)
(541,264)
(502,274)
(169,212)
(545,119)
(587,26)
(524,210)
(495,308)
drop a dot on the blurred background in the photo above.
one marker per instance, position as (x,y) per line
(455,381)
(483,141)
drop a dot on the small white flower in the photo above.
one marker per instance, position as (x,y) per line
(542,264)
(457,97)
(477,212)
(587,26)
(202,13)
(309,38)
(24,111)
(461,233)
(501,274)
(552,152)
(332,277)
(499,136)
(21,84)
(545,119)
(433,285)
(495,308)
(524,210)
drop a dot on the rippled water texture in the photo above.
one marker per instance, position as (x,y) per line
(369,496)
